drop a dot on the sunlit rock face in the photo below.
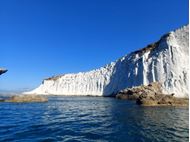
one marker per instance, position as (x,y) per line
(2,71)
(165,61)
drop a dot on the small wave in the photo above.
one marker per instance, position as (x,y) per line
(83,119)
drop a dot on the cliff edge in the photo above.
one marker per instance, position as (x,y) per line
(165,61)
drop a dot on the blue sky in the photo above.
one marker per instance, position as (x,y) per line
(41,38)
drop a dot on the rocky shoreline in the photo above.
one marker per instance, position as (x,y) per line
(151,95)
(25,99)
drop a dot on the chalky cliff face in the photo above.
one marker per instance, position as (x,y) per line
(166,61)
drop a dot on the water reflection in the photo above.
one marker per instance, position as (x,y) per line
(92,119)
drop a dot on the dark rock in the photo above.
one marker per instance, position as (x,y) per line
(127,96)
(2,71)
(2,100)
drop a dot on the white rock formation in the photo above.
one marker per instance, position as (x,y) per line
(166,61)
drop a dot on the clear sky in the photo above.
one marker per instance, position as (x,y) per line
(41,38)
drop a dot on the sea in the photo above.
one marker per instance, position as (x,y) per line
(91,119)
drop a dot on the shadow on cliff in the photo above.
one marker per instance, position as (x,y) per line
(124,76)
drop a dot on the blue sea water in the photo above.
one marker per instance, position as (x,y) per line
(91,119)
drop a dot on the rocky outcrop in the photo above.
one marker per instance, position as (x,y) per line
(2,71)
(151,95)
(161,100)
(25,99)
(135,92)
(165,61)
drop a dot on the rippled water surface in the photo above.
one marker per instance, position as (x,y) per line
(92,119)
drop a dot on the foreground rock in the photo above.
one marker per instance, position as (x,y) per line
(135,92)
(151,95)
(161,100)
(26,99)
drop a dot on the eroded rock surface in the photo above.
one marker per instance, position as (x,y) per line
(161,100)
(165,61)
(135,92)
(151,95)
(25,99)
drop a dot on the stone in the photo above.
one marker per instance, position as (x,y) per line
(151,95)
(26,99)
(2,100)
(162,100)
(135,92)
(127,95)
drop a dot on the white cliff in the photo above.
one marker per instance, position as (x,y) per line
(166,61)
